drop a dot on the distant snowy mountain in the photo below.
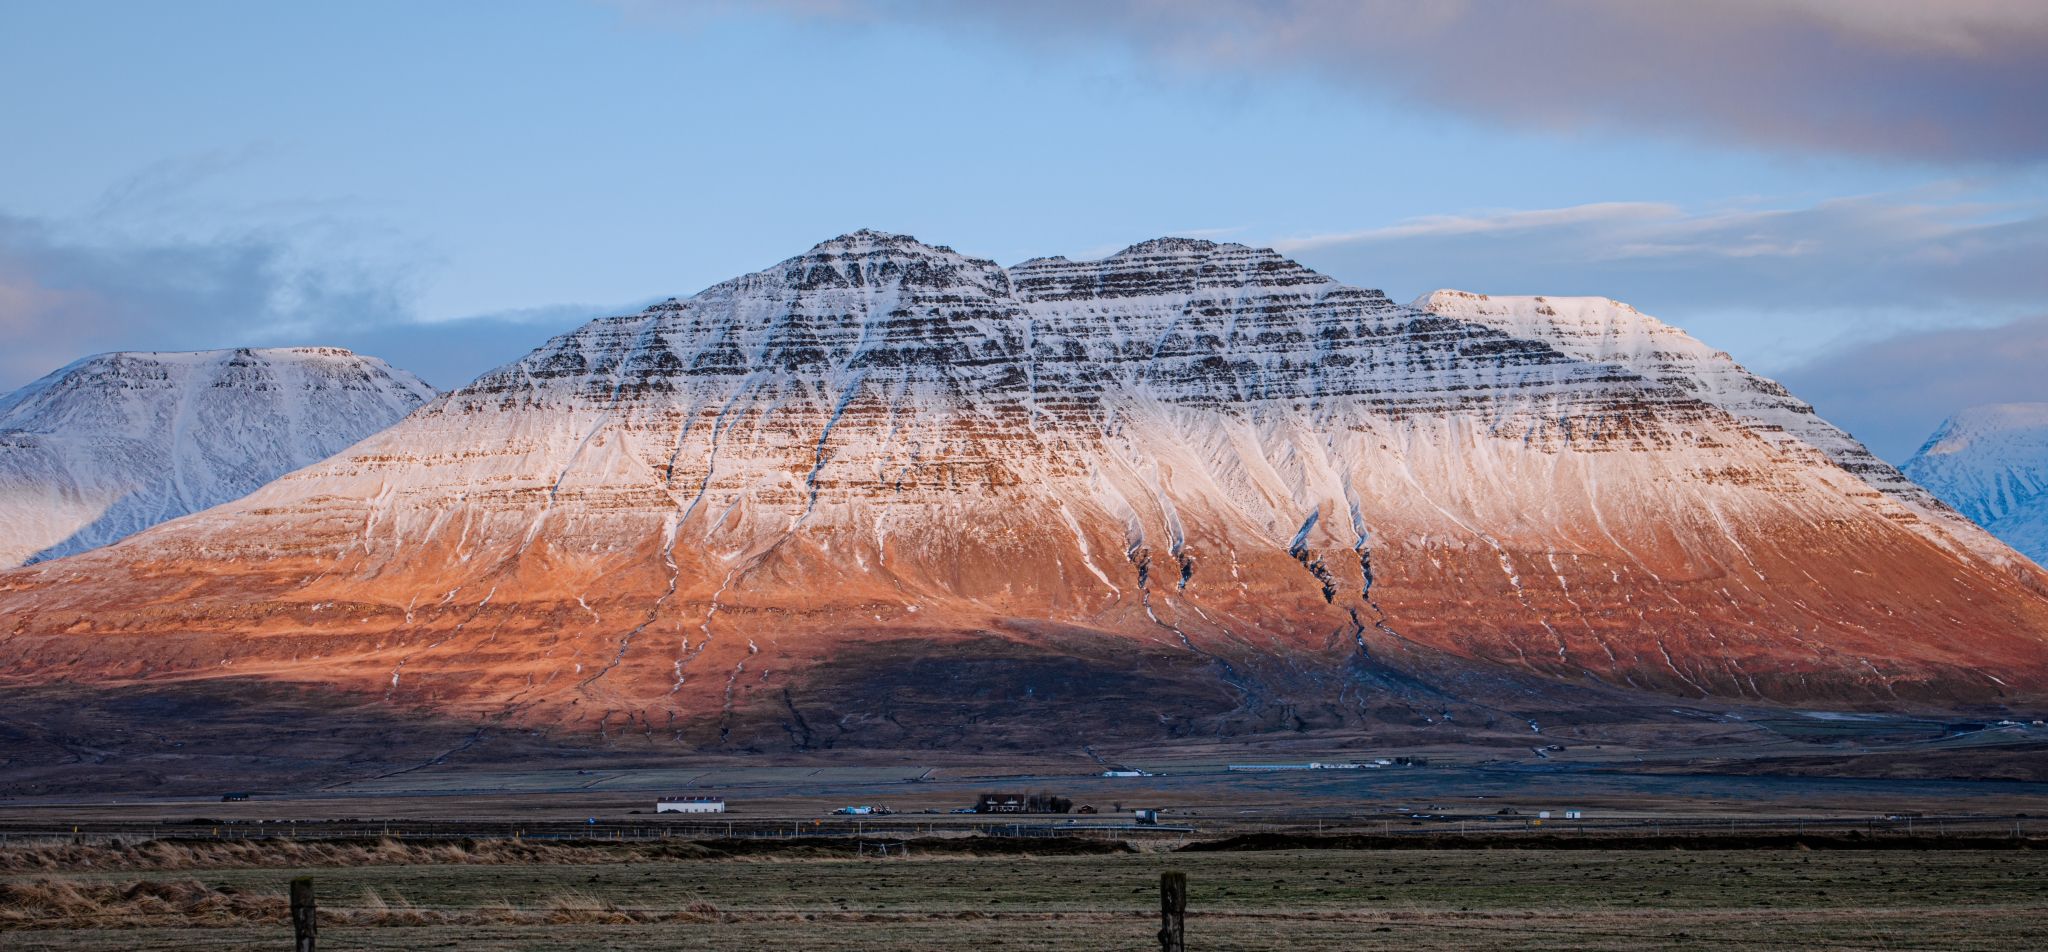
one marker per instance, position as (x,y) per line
(114,444)
(1991,462)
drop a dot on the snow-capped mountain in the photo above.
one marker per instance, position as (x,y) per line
(1991,462)
(884,493)
(114,444)
(1605,331)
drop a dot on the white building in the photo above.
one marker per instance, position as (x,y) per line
(690,805)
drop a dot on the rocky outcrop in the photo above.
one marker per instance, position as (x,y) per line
(114,444)
(886,494)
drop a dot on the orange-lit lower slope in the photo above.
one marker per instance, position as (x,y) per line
(721,524)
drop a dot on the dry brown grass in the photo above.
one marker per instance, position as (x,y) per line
(174,855)
(59,904)
(1302,900)
(52,913)
(167,855)
(66,904)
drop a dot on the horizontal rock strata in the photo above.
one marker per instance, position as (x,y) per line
(885,494)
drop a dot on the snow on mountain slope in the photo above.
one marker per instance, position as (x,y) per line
(114,444)
(1991,462)
(1597,329)
(883,493)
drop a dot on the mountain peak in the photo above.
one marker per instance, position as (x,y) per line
(2004,426)
(1550,309)
(119,442)
(1172,245)
(868,241)
(1167,266)
(1991,462)
(872,260)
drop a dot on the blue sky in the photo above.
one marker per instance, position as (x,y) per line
(444,184)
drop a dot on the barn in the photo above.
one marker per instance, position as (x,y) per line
(690,805)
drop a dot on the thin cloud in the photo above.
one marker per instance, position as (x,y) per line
(64,296)
(1444,226)
(1891,394)
(1885,252)
(1954,81)
(451,353)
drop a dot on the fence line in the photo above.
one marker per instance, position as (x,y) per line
(1950,826)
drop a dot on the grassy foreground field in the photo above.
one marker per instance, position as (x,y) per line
(599,897)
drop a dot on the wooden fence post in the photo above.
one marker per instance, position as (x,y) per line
(1173,908)
(305,916)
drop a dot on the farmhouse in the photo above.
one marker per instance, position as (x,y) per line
(690,805)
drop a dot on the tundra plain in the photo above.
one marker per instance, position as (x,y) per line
(1681,853)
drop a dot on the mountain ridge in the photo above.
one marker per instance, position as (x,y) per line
(1599,329)
(883,494)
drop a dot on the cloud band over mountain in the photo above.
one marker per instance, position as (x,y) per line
(1956,81)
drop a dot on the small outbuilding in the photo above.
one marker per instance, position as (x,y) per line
(1022,803)
(690,805)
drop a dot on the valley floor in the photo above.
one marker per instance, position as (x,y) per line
(1751,836)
